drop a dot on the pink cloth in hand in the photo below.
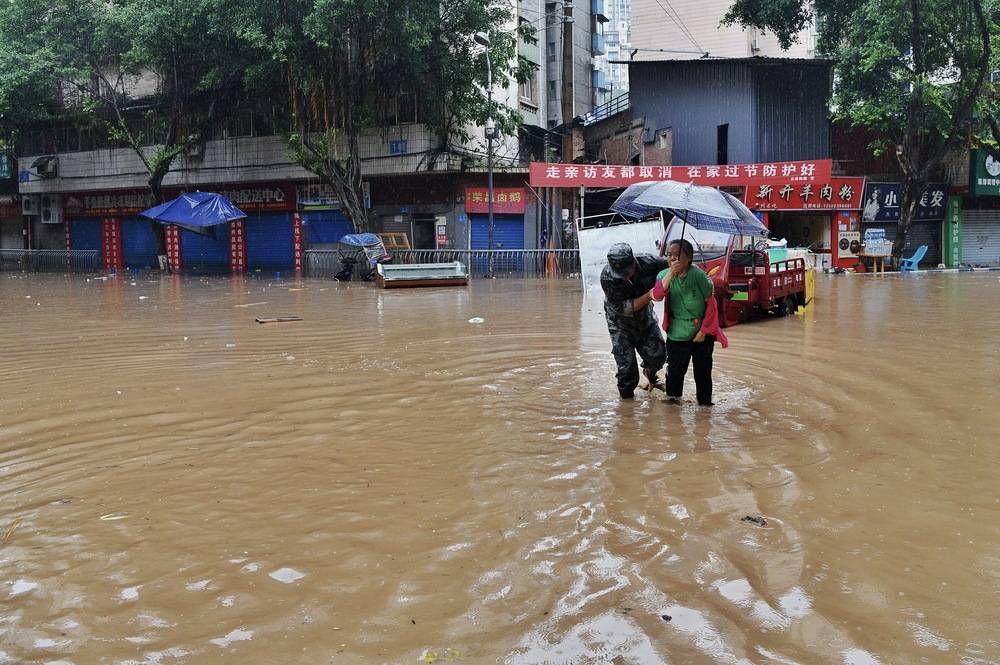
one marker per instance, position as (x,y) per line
(658,291)
(710,324)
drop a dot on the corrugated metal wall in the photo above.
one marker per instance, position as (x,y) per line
(694,98)
(774,112)
(791,112)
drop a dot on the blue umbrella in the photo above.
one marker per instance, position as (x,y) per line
(704,208)
(196,211)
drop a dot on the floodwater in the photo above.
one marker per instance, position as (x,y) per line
(385,482)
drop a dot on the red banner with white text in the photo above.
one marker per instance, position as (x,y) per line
(541,174)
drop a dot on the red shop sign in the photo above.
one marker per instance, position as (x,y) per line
(128,203)
(833,194)
(542,174)
(506,200)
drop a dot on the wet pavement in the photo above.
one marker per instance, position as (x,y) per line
(386,482)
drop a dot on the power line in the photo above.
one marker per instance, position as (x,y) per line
(683,25)
(679,22)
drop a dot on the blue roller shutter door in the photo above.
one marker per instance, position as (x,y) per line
(325,228)
(205,253)
(269,241)
(508,233)
(85,233)
(139,244)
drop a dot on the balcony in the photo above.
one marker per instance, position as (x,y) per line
(597,44)
(597,10)
(599,80)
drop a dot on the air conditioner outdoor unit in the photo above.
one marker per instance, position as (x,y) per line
(31,204)
(47,166)
(51,209)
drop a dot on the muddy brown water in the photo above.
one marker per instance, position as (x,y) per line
(385,482)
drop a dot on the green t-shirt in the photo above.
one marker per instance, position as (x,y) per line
(686,302)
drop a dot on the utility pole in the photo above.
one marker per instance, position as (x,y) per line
(567,79)
(567,98)
(483,39)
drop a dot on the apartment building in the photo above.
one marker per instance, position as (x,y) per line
(689,29)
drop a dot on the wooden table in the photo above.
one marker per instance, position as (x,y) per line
(878,261)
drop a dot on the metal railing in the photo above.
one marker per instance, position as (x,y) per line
(620,103)
(51,260)
(506,262)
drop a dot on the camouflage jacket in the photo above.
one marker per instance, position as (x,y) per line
(619,293)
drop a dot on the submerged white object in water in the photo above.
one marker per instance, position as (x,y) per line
(22,586)
(287,575)
(238,635)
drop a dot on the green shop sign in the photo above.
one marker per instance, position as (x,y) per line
(6,173)
(984,174)
(952,233)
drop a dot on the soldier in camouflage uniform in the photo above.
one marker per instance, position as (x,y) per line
(632,323)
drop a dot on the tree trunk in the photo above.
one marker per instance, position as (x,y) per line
(156,190)
(913,188)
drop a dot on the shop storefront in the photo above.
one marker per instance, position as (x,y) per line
(110,222)
(11,223)
(323,222)
(980,217)
(881,210)
(508,217)
(822,216)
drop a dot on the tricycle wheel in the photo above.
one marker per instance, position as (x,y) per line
(790,306)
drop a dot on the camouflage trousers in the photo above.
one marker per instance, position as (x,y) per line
(642,337)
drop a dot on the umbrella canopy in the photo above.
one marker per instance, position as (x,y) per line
(704,208)
(197,211)
(360,239)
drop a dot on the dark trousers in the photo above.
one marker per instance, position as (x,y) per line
(645,340)
(679,356)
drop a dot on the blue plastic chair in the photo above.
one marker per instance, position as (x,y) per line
(910,264)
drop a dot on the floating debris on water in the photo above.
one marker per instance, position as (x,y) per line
(238,635)
(22,586)
(477,319)
(286,575)
(755,519)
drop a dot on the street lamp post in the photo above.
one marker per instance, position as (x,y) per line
(483,39)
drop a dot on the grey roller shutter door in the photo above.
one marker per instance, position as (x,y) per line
(925,233)
(981,237)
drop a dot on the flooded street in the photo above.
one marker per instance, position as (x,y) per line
(386,482)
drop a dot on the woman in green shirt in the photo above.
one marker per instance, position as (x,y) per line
(688,290)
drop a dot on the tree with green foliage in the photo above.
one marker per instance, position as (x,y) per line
(915,71)
(349,65)
(155,76)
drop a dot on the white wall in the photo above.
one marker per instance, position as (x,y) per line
(652,28)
